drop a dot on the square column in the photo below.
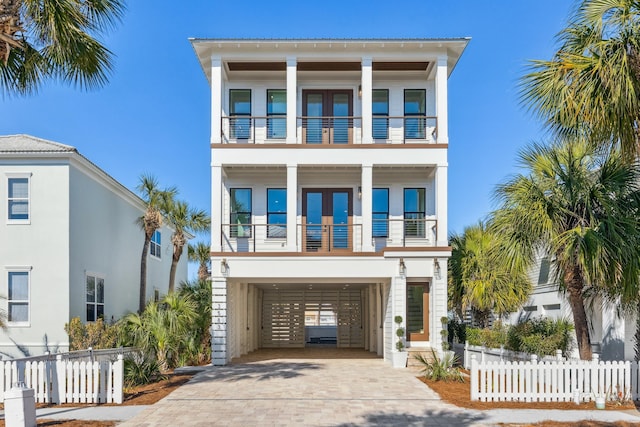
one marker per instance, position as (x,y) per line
(367,208)
(219,322)
(216,208)
(441,205)
(216,99)
(291,100)
(292,207)
(441,100)
(367,100)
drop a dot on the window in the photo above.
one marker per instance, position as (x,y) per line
(155,246)
(95,298)
(240,112)
(277,212)
(380,107)
(414,212)
(18,301)
(380,212)
(18,199)
(543,276)
(276,113)
(415,105)
(240,212)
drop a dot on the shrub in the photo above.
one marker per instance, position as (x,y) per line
(491,338)
(457,331)
(541,336)
(140,369)
(97,335)
(440,369)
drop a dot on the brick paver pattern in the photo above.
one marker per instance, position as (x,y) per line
(310,387)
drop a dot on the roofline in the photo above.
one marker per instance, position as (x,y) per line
(341,40)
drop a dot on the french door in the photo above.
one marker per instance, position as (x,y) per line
(417,312)
(327,220)
(327,116)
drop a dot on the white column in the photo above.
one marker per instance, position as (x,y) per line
(292,207)
(441,205)
(216,208)
(291,99)
(366,207)
(219,322)
(380,318)
(216,99)
(367,100)
(441,100)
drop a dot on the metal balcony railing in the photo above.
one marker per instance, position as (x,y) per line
(254,237)
(329,130)
(404,232)
(330,238)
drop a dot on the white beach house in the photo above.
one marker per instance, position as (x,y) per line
(329,191)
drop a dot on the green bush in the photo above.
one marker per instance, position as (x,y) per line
(437,369)
(97,335)
(140,369)
(491,338)
(541,336)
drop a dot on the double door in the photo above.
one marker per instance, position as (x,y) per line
(327,219)
(327,116)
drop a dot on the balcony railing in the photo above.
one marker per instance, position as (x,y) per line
(401,232)
(329,238)
(329,130)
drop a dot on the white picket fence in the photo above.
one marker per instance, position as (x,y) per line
(553,381)
(66,381)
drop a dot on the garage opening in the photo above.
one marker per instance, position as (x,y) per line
(313,318)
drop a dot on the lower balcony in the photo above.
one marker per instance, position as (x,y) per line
(335,239)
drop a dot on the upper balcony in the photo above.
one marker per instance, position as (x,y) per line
(329,92)
(329,130)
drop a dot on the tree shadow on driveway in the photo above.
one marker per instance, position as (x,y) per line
(430,418)
(256,371)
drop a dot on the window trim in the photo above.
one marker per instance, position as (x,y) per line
(420,231)
(152,243)
(19,175)
(249,213)
(236,119)
(373,212)
(95,303)
(422,131)
(380,117)
(19,269)
(284,225)
(281,116)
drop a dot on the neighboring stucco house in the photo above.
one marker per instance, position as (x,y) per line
(612,334)
(70,245)
(329,191)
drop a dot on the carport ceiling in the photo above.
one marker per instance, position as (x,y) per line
(311,286)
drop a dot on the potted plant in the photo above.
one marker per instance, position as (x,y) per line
(400,355)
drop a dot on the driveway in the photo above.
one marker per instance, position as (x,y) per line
(311,387)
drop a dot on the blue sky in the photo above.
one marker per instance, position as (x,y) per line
(154,115)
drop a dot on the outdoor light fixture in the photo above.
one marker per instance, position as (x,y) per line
(359,91)
(224,267)
(359,192)
(403,267)
(436,268)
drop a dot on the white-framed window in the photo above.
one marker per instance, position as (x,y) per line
(18,198)
(95,297)
(18,295)
(155,246)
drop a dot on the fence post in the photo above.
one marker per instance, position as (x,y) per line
(501,352)
(474,377)
(118,379)
(466,355)
(559,355)
(60,389)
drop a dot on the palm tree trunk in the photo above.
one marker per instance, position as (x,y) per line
(203,272)
(575,284)
(143,275)
(177,253)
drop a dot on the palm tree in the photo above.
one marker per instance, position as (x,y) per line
(183,219)
(160,330)
(480,279)
(156,201)
(582,207)
(200,253)
(199,340)
(591,87)
(55,39)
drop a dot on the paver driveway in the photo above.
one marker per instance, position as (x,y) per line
(318,387)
